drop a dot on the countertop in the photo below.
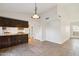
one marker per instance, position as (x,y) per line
(9,34)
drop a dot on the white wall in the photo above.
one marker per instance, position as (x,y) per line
(59,31)
(64,16)
(51,27)
(57,28)
(69,14)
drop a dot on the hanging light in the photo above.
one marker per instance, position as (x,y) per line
(35,16)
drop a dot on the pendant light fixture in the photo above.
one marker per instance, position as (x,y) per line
(35,16)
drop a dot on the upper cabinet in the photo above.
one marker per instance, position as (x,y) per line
(9,22)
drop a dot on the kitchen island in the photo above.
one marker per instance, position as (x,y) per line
(12,40)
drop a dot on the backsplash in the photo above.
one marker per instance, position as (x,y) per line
(13,30)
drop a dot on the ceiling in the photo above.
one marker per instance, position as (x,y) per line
(27,8)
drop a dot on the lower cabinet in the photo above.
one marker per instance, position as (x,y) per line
(21,39)
(4,42)
(13,40)
(7,41)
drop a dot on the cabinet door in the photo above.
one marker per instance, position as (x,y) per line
(4,42)
(2,22)
(13,40)
(22,39)
(5,22)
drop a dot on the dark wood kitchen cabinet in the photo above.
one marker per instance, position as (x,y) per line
(4,41)
(21,39)
(12,40)
(10,22)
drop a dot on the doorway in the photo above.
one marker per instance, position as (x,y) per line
(75,30)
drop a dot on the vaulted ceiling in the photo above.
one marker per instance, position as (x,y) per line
(27,8)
